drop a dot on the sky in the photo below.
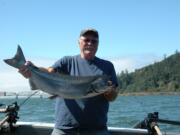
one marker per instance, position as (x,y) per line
(133,33)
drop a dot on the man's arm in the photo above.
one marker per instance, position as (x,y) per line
(50,69)
(27,73)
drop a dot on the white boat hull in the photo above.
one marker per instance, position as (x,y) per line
(34,128)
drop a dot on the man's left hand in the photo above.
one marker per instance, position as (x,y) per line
(112,93)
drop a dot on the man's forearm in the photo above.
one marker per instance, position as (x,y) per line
(50,69)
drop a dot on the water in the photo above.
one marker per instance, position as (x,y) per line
(127,111)
(124,112)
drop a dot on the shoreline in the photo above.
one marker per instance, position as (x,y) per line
(120,94)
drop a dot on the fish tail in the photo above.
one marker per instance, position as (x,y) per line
(18,60)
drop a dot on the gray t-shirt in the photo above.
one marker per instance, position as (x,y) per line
(88,112)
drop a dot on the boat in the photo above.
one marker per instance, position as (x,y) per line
(35,128)
(10,126)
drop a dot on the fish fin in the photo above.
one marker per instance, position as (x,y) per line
(32,85)
(18,60)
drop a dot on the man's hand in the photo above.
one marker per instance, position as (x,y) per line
(24,69)
(112,93)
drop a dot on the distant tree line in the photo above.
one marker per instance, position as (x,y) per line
(163,76)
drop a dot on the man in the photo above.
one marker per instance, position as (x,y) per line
(83,116)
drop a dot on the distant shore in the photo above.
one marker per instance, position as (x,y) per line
(120,94)
(147,93)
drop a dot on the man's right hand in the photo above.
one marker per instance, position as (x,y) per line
(24,69)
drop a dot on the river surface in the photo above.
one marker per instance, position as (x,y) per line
(126,111)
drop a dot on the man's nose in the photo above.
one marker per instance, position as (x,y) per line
(90,43)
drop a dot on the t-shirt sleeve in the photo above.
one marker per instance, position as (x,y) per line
(113,75)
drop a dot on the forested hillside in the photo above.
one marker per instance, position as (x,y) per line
(161,76)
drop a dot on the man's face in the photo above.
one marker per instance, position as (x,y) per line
(88,46)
